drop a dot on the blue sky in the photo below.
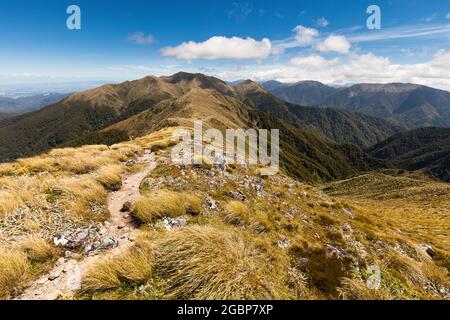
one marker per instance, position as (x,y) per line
(285,40)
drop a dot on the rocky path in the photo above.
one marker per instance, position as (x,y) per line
(116,235)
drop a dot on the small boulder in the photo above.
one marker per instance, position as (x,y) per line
(347,228)
(127,206)
(174,223)
(238,196)
(211,203)
(428,249)
(105,243)
(283,243)
(75,239)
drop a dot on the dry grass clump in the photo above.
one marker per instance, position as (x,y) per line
(357,289)
(298,282)
(77,160)
(260,222)
(204,262)
(110,176)
(14,272)
(203,162)
(162,144)
(165,203)
(80,197)
(9,201)
(237,213)
(419,275)
(37,249)
(132,268)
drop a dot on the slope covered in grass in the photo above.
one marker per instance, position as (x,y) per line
(265,238)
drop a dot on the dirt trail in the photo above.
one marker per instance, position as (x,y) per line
(63,280)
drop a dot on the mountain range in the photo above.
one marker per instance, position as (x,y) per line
(318,144)
(30,103)
(407,105)
(340,126)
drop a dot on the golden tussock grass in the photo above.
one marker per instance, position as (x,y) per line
(110,176)
(37,249)
(165,203)
(14,272)
(9,202)
(134,267)
(357,289)
(203,162)
(204,262)
(237,213)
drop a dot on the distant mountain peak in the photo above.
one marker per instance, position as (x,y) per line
(248,86)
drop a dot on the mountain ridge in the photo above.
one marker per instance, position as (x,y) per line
(408,105)
(337,125)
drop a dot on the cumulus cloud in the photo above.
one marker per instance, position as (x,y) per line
(305,36)
(322,22)
(141,38)
(353,68)
(219,47)
(333,43)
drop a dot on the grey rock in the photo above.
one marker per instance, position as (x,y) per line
(105,243)
(283,243)
(174,223)
(347,228)
(212,205)
(75,239)
(238,195)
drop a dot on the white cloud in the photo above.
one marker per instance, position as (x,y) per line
(351,69)
(338,44)
(141,38)
(313,62)
(305,36)
(220,48)
(322,22)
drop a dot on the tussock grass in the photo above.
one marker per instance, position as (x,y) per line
(260,222)
(9,201)
(110,176)
(162,144)
(14,272)
(37,249)
(165,203)
(131,268)
(237,213)
(203,162)
(356,289)
(204,262)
